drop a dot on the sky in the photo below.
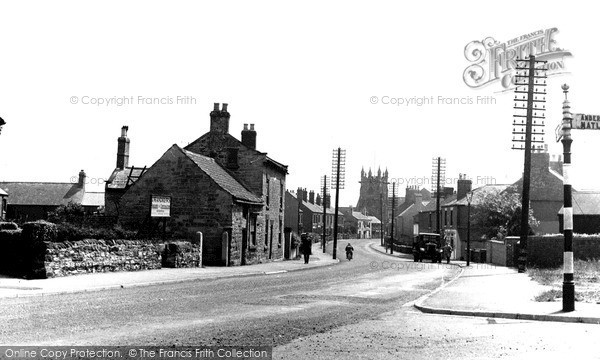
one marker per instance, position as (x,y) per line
(311,76)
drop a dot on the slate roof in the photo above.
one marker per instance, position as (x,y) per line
(120,177)
(93,199)
(42,193)
(585,203)
(317,208)
(374,220)
(478,193)
(359,216)
(222,177)
(3,193)
(448,201)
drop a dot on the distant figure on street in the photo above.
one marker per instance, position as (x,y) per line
(448,248)
(349,251)
(305,247)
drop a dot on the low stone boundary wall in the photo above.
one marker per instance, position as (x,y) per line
(90,256)
(33,253)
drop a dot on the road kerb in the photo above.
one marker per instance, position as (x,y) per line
(509,315)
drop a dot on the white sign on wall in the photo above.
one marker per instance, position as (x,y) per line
(161,206)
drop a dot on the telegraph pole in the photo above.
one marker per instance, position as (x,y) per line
(530,98)
(338,168)
(324,183)
(299,197)
(393,206)
(439,175)
(568,278)
(381,224)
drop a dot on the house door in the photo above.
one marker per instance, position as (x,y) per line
(225,248)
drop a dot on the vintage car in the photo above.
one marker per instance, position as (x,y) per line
(428,246)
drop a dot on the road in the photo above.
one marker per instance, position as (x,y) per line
(350,310)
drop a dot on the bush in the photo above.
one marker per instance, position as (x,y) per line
(70,213)
(39,231)
(8,226)
(71,232)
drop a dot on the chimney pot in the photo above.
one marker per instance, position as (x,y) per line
(216,108)
(124,130)
(224,108)
(245,126)
(251,127)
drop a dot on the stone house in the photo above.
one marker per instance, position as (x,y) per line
(205,198)
(219,185)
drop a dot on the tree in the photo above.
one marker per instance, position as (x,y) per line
(498,213)
(71,213)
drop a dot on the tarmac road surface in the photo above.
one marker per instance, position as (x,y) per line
(355,309)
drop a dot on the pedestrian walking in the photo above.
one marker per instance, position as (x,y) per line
(305,247)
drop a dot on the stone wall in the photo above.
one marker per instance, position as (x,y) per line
(92,256)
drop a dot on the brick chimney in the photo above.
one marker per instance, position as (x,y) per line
(219,119)
(249,136)
(418,199)
(311,197)
(318,200)
(304,195)
(447,192)
(81,182)
(409,197)
(299,195)
(463,186)
(123,149)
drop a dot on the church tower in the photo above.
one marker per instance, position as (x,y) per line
(373,188)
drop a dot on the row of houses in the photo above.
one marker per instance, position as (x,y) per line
(218,185)
(304,214)
(546,201)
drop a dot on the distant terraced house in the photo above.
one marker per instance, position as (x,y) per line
(29,201)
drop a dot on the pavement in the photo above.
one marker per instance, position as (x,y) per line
(15,287)
(492,291)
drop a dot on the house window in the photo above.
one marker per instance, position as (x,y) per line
(451,216)
(430,221)
(445,217)
(268,190)
(281,194)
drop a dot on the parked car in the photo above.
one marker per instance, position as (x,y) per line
(428,246)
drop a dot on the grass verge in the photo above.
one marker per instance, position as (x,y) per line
(587,281)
